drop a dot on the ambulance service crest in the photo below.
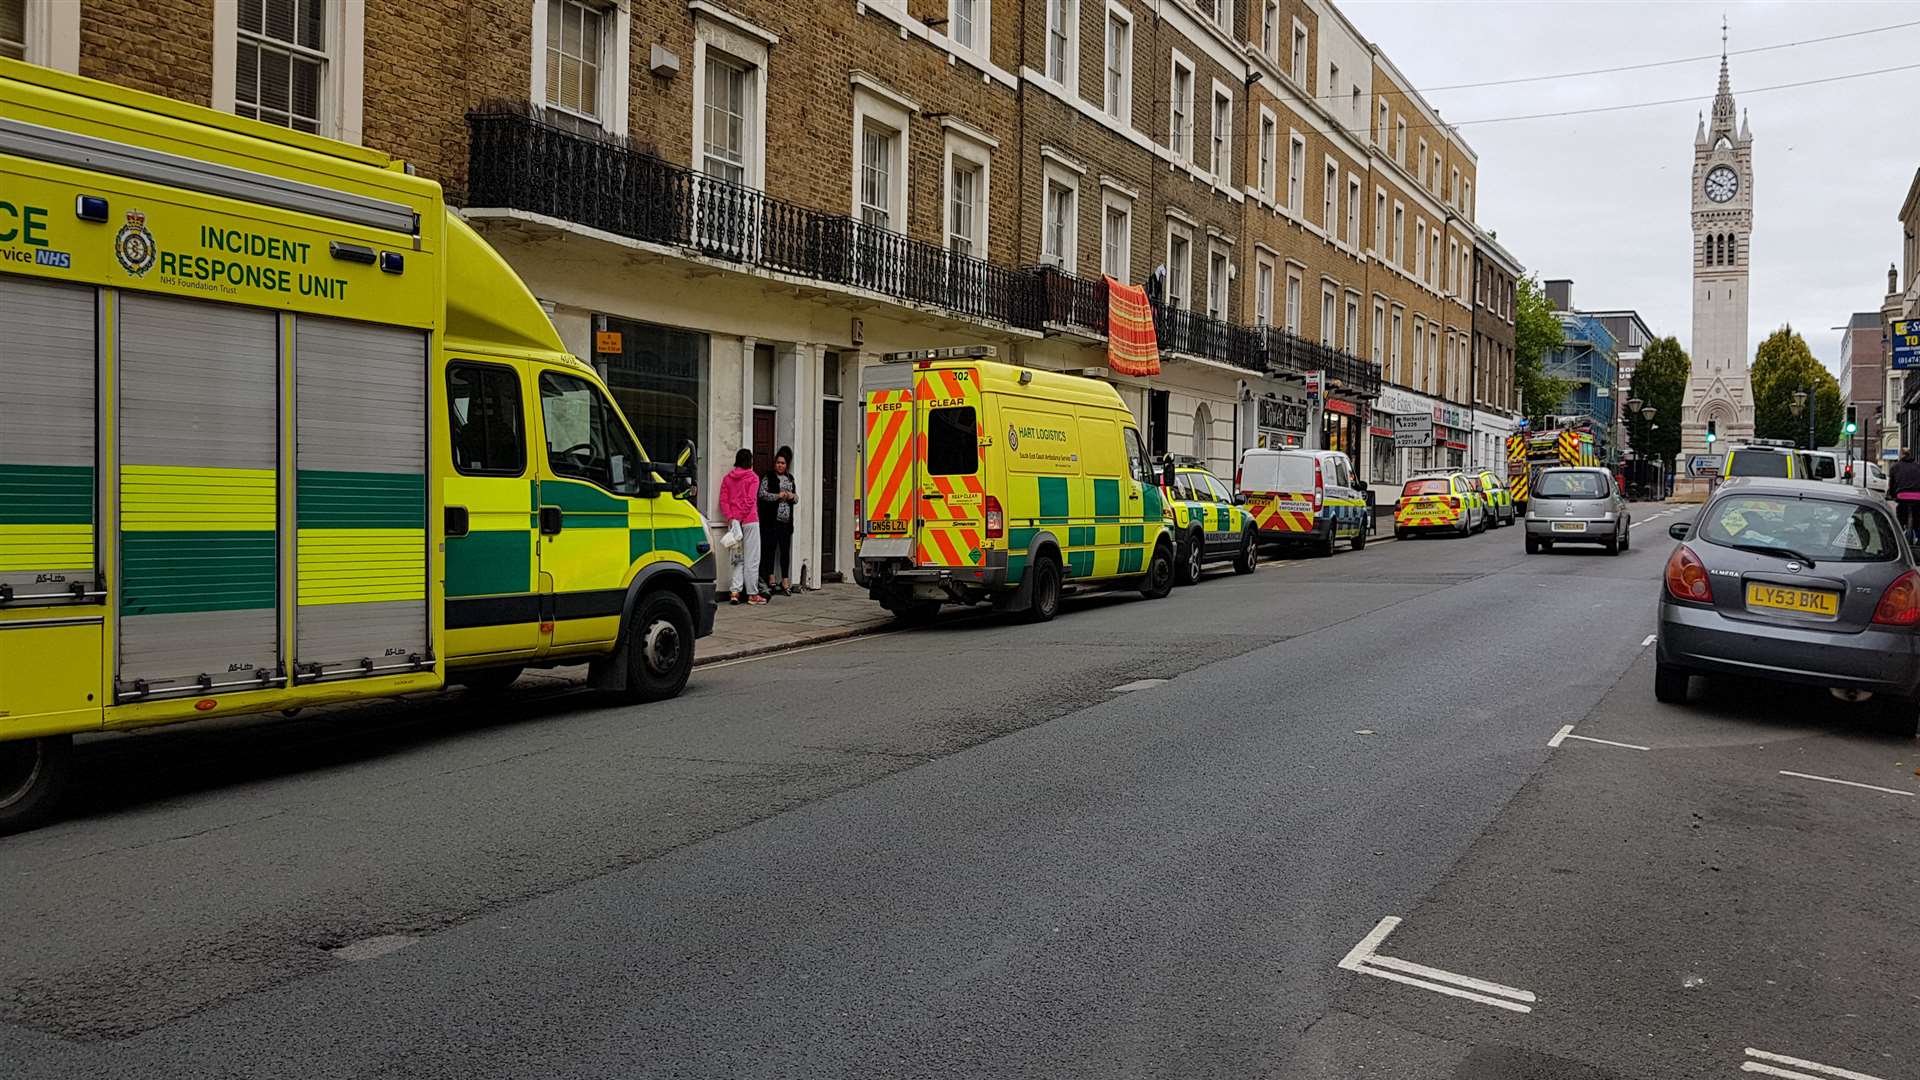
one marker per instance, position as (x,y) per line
(1013,438)
(133,245)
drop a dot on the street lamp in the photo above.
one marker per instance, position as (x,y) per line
(1800,400)
(1642,452)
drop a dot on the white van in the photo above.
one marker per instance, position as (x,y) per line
(1303,496)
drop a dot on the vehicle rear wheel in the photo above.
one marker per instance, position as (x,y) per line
(659,644)
(1401,534)
(1192,559)
(1897,715)
(1626,536)
(915,612)
(33,776)
(1046,589)
(1360,538)
(1670,684)
(1533,546)
(1325,548)
(1613,544)
(1466,527)
(1249,558)
(1159,578)
(488,680)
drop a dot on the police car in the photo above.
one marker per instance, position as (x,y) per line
(1208,525)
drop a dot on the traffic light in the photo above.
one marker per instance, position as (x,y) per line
(1851,426)
(1711,433)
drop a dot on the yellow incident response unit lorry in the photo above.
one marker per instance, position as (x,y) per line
(1529,452)
(986,481)
(277,429)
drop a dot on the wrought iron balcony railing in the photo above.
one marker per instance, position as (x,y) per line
(1290,354)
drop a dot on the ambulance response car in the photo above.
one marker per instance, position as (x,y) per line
(1306,497)
(1438,502)
(1208,525)
(278,430)
(983,481)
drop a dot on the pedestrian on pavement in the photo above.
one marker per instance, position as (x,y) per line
(739,506)
(1903,487)
(778,497)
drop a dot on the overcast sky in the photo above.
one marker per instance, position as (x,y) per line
(1604,198)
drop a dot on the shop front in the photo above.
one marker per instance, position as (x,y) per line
(1283,418)
(1452,435)
(1343,427)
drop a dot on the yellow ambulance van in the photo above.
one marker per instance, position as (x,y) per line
(983,481)
(277,429)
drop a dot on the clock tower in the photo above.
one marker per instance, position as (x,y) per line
(1719,390)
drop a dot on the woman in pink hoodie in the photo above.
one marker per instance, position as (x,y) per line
(740,505)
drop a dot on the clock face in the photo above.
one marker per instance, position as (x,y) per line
(1722,183)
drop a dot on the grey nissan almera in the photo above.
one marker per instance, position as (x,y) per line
(1794,581)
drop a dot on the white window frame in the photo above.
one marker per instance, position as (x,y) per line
(1297,54)
(1466,197)
(1296,172)
(1220,156)
(1262,289)
(1180,108)
(1290,305)
(1400,141)
(53,28)
(966,146)
(1332,89)
(1420,163)
(1453,266)
(1329,315)
(1399,234)
(1419,246)
(1056,177)
(1453,189)
(1270,30)
(738,44)
(50,35)
(1352,325)
(1433,355)
(1380,223)
(1179,275)
(1353,211)
(1219,281)
(1330,199)
(1118,105)
(1380,137)
(1413,374)
(982,26)
(1398,321)
(1354,107)
(874,103)
(1067,72)
(1433,178)
(1269,149)
(1116,260)
(1377,345)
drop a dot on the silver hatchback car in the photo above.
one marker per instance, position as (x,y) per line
(1794,581)
(1577,506)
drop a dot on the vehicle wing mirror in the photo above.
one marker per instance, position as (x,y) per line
(1167,475)
(684,459)
(1679,530)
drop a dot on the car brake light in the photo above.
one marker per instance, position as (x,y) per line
(1900,604)
(1687,576)
(1319,484)
(996,519)
(859,522)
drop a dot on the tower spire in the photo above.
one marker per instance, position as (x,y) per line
(1723,99)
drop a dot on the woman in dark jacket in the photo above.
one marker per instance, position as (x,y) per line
(778,496)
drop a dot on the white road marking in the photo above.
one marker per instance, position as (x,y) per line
(1559,737)
(1365,959)
(1798,1063)
(1610,742)
(1138,684)
(1849,783)
(1649,640)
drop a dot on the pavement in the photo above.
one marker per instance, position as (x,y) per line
(1325,821)
(829,613)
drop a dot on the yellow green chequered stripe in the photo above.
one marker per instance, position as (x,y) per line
(361,566)
(169,498)
(46,495)
(45,547)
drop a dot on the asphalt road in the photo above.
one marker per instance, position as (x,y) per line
(960,852)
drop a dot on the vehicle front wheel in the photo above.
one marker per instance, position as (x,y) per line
(1360,538)
(1326,548)
(1046,589)
(1613,544)
(1192,558)
(1626,536)
(659,647)
(1249,558)
(1159,579)
(33,776)
(1670,684)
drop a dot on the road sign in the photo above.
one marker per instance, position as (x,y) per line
(1703,465)
(1906,343)
(1413,430)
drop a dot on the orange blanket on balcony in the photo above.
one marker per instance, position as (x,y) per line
(1132,348)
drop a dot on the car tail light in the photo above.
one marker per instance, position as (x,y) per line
(1319,484)
(859,522)
(1687,577)
(996,519)
(1900,604)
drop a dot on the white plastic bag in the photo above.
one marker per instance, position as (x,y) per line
(732,537)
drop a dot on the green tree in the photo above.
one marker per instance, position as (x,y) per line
(1536,332)
(1660,380)
(1782,366)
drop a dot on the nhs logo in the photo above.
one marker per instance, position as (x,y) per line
(59,260)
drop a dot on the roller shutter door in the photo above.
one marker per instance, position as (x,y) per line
(199,506)
(360,499)
(48,429)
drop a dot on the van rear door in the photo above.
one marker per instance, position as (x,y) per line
(952,496)
(889,480)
